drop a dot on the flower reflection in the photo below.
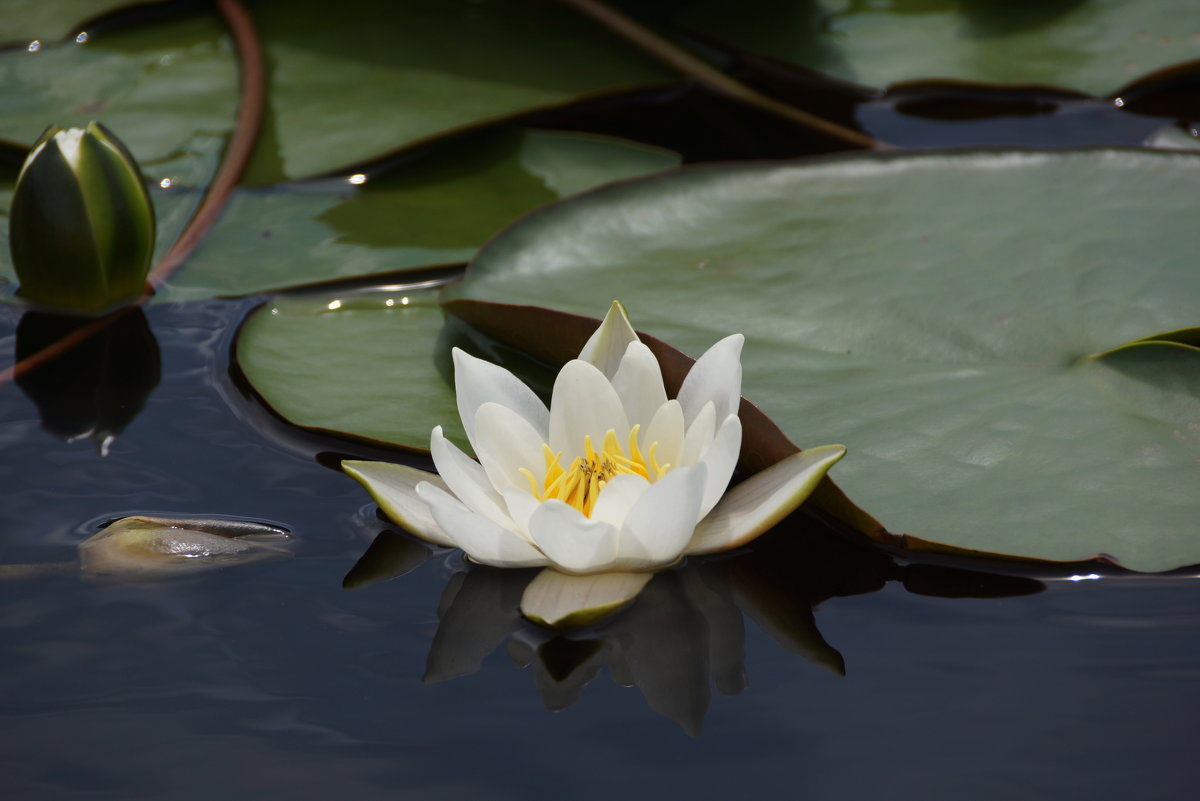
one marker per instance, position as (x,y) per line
(685,634)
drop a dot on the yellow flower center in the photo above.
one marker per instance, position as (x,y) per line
(580,484)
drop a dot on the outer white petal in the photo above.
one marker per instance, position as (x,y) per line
(521,506)
(660,524)
(394,488)
(667,429)
(560,601)
(618,497)
(720,459)
(584,403)
(572,542)
(716,376)
(505,442)
(639,384)
(609,342)
(699,435)
(483,540)
(467,480)
(477,382)
(761,501)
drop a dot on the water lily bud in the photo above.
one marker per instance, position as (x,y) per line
(81,227)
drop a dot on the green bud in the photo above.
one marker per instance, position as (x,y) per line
(81,226)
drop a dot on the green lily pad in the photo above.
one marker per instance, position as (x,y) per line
(169,91)
(1095,46)
(371,365)
(436,209)
(934,313)
(367,78)
(25,21)
(360,366)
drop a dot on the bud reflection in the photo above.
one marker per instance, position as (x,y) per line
(95,389)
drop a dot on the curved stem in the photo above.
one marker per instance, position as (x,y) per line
(40,570)
(679,59)
(233,163)
(241,143)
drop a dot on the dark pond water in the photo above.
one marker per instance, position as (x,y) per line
(271,680)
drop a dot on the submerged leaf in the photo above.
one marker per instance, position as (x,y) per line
(158,547)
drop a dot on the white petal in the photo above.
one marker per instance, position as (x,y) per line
(660,524)
(720,459)
(394,488)
(483,540)
(521,506)
(477,382)
(560,601)
(467,480)
(609,342)
(700,433)
(717,377)
(639,384)
(667,429)
(617,497)
(572,542)
(584,403)
(761,501)
(505,443)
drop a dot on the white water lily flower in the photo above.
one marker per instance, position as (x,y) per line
(612,482)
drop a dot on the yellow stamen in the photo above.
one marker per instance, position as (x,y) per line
(581,483)
(533,485)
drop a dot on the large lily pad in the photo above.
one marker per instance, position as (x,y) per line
(437,209)
(169,92)
(935,313)
(1092,45)
(352,81)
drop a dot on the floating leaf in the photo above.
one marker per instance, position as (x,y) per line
(434,209)
(168,91)
(1092,45)
(371,78)
(363,368)
(933,313)
(360,366)
(44,21)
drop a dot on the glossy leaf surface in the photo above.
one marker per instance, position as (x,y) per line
(359,366)
(436,209)
(1095,46)
(373,78)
